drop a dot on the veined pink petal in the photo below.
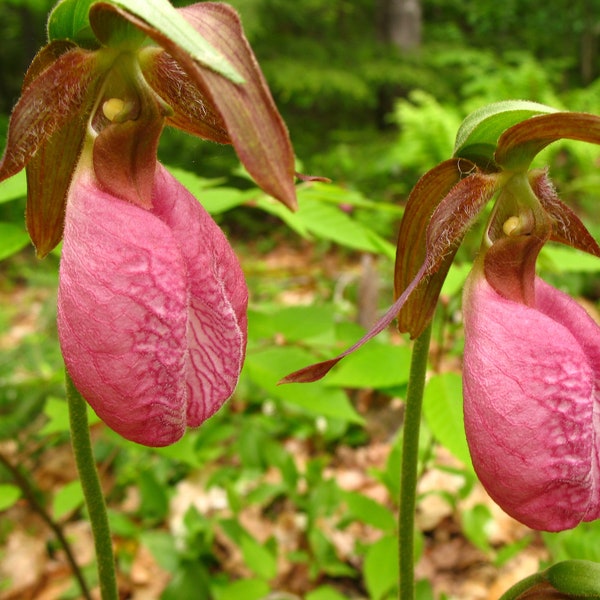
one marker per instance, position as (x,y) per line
(151,309)
(532,404)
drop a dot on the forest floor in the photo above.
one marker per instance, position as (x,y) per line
(33,567)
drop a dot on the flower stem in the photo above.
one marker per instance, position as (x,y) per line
(410,459)
(92,491)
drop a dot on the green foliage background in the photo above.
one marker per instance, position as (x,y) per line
(372,118)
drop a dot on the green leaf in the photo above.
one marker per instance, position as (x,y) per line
(67,499)
(256,556)
(442,407)
(564,259)
(294,323)
(579,543)
(57,413)
(162,547)
(325,592)
(154,504)
(9,494)
(375,366)
(369,511)
(248,589)
(214,199)
(327,221)
(162,16)
(12,239)
(476,523)
(267,367)
(190,581)
(69,20)
(14,187)
(478,135)
(381,567)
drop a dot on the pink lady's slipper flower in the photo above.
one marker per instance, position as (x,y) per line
(152,300)
(531,375)
(532,355)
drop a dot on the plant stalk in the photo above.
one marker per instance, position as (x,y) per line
(92,491)
(409,465)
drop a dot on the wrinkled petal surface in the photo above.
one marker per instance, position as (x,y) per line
(151,309)
(532,404)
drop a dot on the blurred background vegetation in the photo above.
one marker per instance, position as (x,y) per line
(351,77)
(373,92)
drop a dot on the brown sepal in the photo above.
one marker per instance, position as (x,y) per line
(440,210)
(49,175)
(49,101)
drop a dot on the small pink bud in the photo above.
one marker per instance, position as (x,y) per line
(151,309)
(532,403)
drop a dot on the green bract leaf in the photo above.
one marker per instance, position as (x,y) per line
(162,21)
(69,21)
(479,133)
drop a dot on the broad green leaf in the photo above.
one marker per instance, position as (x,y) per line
(215,200)
(326,221)
(564,260)
(294,323)
(442,407)
(375,366)
(325,555)
(325,592)
(9,494)
(14,187)
(381,567)
(248,589)
(265,368)
(191,580)
(369,511)
(256,556)
(154,500)
(478,135)
(67,499)
(476,524)
(57,413)
(329,222)
(12,239)
(162,547)
(578,543)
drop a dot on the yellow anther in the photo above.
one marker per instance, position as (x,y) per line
(510,225)
(112,108)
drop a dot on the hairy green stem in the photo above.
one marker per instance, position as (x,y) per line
(92,491)
(28,491)
(410,460)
